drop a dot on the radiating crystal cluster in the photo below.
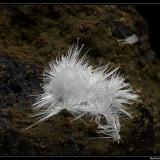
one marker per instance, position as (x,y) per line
(71,83)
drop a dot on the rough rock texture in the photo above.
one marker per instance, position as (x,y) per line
(31,35)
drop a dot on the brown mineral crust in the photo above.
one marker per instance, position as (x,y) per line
(30,36)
